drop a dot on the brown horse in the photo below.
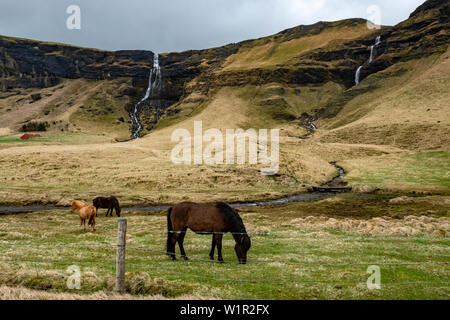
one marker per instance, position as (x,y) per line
(215,219)
(107,203)
(85,213)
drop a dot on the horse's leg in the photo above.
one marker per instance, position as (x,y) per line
(180,244)
(172,248)
(213,247)
(219,246)
(171,245)
(96,211)
(107,212)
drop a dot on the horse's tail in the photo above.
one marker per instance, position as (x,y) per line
(92,216)
(169,230)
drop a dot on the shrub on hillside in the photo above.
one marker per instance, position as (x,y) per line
(35,126)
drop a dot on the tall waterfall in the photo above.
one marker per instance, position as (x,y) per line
(154,83)
(357,75)
(358,71)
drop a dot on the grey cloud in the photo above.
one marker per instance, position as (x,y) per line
(176,25)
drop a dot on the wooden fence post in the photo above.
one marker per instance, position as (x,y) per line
(120,256)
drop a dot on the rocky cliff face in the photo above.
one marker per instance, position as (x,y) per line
(34,64)
(26,63)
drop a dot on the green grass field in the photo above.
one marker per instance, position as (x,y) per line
(318,250)
(421,171)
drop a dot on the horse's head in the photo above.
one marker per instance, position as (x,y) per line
(76,205)
(73,206)
(242,246)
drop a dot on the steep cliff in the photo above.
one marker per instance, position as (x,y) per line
(26,64)
(317,56)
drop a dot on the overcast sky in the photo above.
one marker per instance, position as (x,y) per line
(177,25)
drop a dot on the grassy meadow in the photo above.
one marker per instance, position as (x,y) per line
(391,134)
(318,250)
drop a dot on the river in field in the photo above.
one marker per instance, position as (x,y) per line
(326,191)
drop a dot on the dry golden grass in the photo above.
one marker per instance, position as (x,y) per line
(409,110)
(141,171)
(409,226)
(5,131)
(65,108)
(18,293)
(23,110)
(272,53)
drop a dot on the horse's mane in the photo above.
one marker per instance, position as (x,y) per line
(233,218)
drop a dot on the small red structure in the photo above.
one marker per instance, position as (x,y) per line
(27,136)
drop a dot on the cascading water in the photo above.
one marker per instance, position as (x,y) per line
(358,71)
(377,42)
(357,75)
(154,83)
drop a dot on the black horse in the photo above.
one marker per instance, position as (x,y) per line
(215,219)
(107,203)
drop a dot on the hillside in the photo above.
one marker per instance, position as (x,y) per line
(390,132)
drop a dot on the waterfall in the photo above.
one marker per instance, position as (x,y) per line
(371,54)
(154,83)
(357,75)
(378,40)
(358,71)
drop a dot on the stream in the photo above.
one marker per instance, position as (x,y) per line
(327,190)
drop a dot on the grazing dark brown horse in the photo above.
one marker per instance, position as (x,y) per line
(215,219)
(107,203)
